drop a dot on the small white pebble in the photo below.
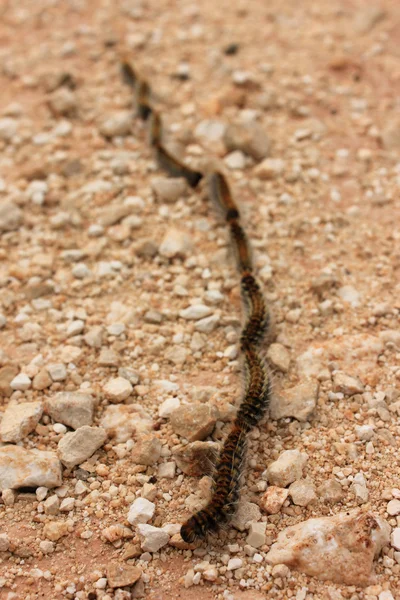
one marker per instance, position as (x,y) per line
(234,563)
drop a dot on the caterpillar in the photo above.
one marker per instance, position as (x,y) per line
(221,196)
(226,489)
(166,161)
(229,466)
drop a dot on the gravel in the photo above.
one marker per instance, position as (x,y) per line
(90,249)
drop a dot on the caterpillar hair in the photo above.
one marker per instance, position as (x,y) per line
(225,492)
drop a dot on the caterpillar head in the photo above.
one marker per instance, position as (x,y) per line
(192,530)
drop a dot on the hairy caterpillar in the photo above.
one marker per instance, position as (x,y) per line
(221,196)
(229,467)
(142,90)
(226,489)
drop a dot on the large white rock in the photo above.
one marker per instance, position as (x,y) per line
(19,420)
(75,447)
(195,312)
(175,243)
(141,511)
(298,402)
(20,467)
(287,468)
(152,538)
(118,389)
(339,548)
(21,382)
(71,408)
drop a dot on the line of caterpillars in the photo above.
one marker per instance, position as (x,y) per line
(229,467)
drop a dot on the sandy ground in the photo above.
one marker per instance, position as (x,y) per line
(322,79)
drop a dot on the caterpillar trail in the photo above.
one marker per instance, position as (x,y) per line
(228,470)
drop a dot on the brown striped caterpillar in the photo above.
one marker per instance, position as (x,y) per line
(166,161)
(229,468)
(256,398)
(226,489)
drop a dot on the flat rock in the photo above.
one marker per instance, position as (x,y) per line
(108,358)
(7,374)
(247,512)
(20,467)
(42,380)
(147,450)
(211,130)
(195,312)
(197,458)
(298,402)
(152,538)
(118,124)
(117,532)
(169,189)
(55,530)
(19,420)
(339,548)
(123,421)
(118,389)
(249,138)
(119,576)
(356,353)
(330,491)
(273,499)
(73,409)
(194,421)
(270,168)
(347,384)
(287,468)
(141,511)
(302,492)
(176,354)
(279,357)
(94,337)
(175,243)
(256,537)
(75,447)
(113,215)
(21,382)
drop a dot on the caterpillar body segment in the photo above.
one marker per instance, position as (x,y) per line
(241,247)
(169,163)
(129,74)
(258,390)
(155,129)
(226,490)
(258,319)
(143,92)
(174,167)
(220,194)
